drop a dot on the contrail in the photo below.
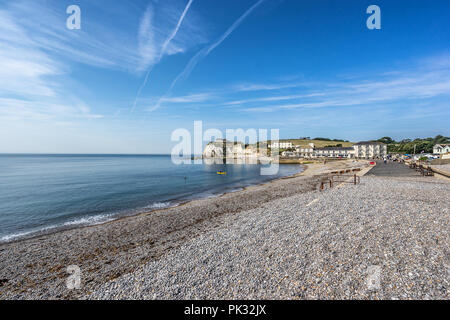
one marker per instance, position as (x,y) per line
(204,52)
(163,51)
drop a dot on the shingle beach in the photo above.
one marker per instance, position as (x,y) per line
(386,238)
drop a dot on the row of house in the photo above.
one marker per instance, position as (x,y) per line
(363,150)
(281,145)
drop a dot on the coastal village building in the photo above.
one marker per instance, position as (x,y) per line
(305,152)
(361,150)
(334,152)
(370,150)
(441,148)
(281,145)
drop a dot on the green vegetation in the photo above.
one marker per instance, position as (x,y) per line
(407,145)
(327,139)
(337,145)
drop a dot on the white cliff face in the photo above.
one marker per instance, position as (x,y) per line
(233,150)
(213,151)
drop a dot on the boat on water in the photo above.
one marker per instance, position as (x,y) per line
(221,172)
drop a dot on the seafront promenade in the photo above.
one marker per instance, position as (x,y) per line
(386,238)
(392,169)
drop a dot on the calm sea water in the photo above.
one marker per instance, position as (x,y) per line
(43,193)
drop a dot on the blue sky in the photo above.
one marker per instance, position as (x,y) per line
(308,68)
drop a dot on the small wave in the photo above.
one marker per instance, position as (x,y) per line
(14,236)
(99,219)
(159,205)
(84,221)
(90,220)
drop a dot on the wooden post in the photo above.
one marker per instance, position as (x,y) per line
(354,179)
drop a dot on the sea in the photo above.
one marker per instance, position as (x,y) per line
(41,194)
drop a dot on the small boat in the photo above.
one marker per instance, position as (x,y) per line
(221,172)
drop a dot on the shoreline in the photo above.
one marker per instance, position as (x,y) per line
(386,238)
(36,268)
(119,216)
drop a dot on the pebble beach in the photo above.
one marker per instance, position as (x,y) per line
(386,238)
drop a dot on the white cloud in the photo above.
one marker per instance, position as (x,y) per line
(34,110)
(273,98)
(30,78)
(201,97)
(23,66)
(37,51)
(267,87)
(205,52)
(146,35)
(401,86)
(123,41)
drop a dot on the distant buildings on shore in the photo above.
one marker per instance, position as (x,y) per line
(369,149)
(222,148)
(360,150)
(441,149)
(281,145)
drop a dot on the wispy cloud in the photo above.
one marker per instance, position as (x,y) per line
(38,52)
(400,87)
(416,82)
(273,98)
(204,53)
(22,62)
(201,97)
(146,32)
(22,109)
(122,43)
(268,87)
(30,77)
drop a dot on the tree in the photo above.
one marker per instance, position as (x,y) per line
(387,140)
(440,139)
(323,139)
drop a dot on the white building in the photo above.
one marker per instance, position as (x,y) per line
(334,152)
(281,145)
(370,150)
(441,148)
(305,151)
(311,151)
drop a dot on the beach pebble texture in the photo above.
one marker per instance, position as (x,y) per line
(37,268)
(387,238)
